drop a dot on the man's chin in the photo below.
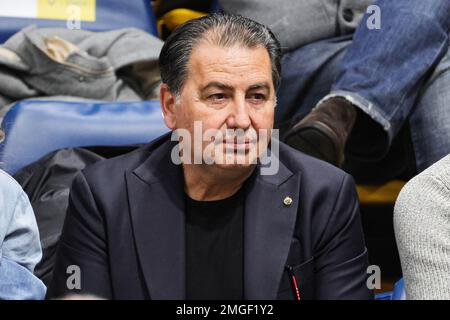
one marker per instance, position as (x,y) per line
(234,162)
(234,166)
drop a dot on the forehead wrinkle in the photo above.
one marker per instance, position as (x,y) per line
(205,66)
(208,58)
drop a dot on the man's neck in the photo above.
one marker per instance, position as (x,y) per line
(209,183)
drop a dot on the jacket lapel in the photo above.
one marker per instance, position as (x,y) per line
(156,202)
(269,227)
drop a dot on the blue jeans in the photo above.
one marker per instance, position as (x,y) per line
(398,74)
(18,283)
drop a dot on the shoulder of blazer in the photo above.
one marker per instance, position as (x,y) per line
(117,166)
(313,170)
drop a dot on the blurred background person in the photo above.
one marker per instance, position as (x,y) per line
(20,248)
(422,229)
(365,81)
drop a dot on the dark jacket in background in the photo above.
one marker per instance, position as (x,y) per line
(47,183)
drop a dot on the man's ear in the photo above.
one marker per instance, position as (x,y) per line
(168,106)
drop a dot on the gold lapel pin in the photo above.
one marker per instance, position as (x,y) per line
(287,201)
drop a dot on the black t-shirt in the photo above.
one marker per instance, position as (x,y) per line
(214,248)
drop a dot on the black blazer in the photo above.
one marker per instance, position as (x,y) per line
(125,229)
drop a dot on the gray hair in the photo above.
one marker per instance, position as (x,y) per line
(221,29)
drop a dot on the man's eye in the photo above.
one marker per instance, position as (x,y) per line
(217,96)
(257,97)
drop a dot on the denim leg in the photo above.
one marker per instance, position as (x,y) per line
(430,120)
(18,283)
(385,69)
(307,76)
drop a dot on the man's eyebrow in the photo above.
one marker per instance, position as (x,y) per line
(222,86)
(218,85)
(261,85)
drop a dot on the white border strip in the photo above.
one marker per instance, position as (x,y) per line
(19,8)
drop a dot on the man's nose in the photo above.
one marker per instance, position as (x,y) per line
(239,117)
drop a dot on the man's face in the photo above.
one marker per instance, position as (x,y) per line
(229,92)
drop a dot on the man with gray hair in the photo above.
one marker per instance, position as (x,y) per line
(199,217)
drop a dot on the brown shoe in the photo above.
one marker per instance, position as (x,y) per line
(324,131)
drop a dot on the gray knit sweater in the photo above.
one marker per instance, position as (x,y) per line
(422,229)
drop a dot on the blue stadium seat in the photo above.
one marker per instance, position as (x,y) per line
(34,128)
(397,294)
(109,15)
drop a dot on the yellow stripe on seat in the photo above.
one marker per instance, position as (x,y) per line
(380,194)
(177,17)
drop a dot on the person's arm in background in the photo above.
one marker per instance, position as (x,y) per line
(422,230)
(20,248)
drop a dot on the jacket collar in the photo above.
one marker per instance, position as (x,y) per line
(156,201)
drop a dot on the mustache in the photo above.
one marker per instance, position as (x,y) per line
(236,136)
